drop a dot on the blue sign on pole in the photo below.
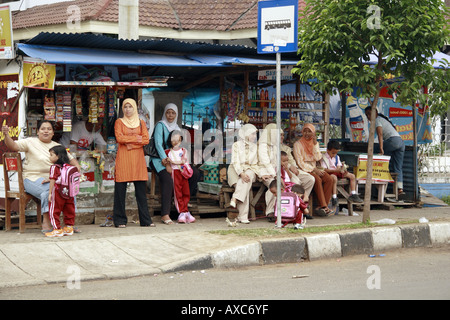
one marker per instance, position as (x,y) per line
(277,26)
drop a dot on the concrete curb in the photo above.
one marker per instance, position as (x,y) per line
(129,256)
(334,245)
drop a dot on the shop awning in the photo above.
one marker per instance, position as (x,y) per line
(69,55)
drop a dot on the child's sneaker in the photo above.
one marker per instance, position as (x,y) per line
(68,230)
(298,226)
(189,217)
(182,218)
(55,233)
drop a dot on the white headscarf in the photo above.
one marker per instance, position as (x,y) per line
(269,135)
(171,125)
(246,131)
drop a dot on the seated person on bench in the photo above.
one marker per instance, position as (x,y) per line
(244,170)
(333,166)
(306,154)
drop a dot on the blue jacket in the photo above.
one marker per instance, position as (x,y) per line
(159,132)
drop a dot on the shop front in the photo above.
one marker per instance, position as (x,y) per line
(81,89)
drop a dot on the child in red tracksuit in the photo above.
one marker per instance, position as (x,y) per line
(178,157)
(58,204)
(300,222)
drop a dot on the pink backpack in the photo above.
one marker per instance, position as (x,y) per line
(289,207)
(69,181)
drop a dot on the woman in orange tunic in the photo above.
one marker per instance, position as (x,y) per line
(131,135)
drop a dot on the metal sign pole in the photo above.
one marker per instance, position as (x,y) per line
(278,83)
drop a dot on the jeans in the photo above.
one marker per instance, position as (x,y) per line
(39,190)
(395,147)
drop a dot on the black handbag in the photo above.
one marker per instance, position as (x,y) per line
(150,148)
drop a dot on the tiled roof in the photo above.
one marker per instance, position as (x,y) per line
(218,15)
(58,13)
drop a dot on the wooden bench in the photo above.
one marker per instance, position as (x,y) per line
(226,194)
(341,184)
(380,185)
(153,200)
(12,164)
(346,194)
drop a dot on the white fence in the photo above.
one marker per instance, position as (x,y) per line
(434,158)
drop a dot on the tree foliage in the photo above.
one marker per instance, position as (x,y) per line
(337,37)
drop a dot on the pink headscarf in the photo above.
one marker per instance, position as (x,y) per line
(308,145)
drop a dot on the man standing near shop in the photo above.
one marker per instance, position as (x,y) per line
(390,144)
(84,134)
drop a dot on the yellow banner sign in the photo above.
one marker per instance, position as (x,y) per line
(39,75)
(380,171)
(6,37)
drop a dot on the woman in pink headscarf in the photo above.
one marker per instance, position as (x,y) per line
(307,153)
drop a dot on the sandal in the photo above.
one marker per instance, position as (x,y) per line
(167,221)
(329,212)
(321,212)
(400,191)
(121,226)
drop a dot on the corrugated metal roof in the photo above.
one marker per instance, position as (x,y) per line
(104,42)
(71,55)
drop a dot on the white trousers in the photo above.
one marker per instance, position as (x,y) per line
(242,194)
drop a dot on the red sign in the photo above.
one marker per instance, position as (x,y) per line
(399,112)
(11,164)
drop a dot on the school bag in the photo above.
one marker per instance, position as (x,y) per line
(289,207)
(69,181)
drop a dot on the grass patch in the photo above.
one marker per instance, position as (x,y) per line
(446,199)
(289,231)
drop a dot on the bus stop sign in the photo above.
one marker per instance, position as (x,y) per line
(277,26)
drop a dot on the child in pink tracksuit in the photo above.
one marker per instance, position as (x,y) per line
(178,157)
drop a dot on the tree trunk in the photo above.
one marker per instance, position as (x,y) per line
(368,187)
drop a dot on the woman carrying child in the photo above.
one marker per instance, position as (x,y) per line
(179,163)
(57,202)
(307,154)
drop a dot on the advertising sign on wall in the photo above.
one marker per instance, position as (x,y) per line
(357,125)
(9,90)
(6,36)
(39,75)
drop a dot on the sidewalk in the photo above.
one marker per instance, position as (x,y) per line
(107,253)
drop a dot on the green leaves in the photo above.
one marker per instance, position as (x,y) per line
(337,37)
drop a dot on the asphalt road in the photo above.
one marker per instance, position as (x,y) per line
(421,273)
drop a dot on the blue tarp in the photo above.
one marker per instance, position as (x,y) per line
(69,55)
